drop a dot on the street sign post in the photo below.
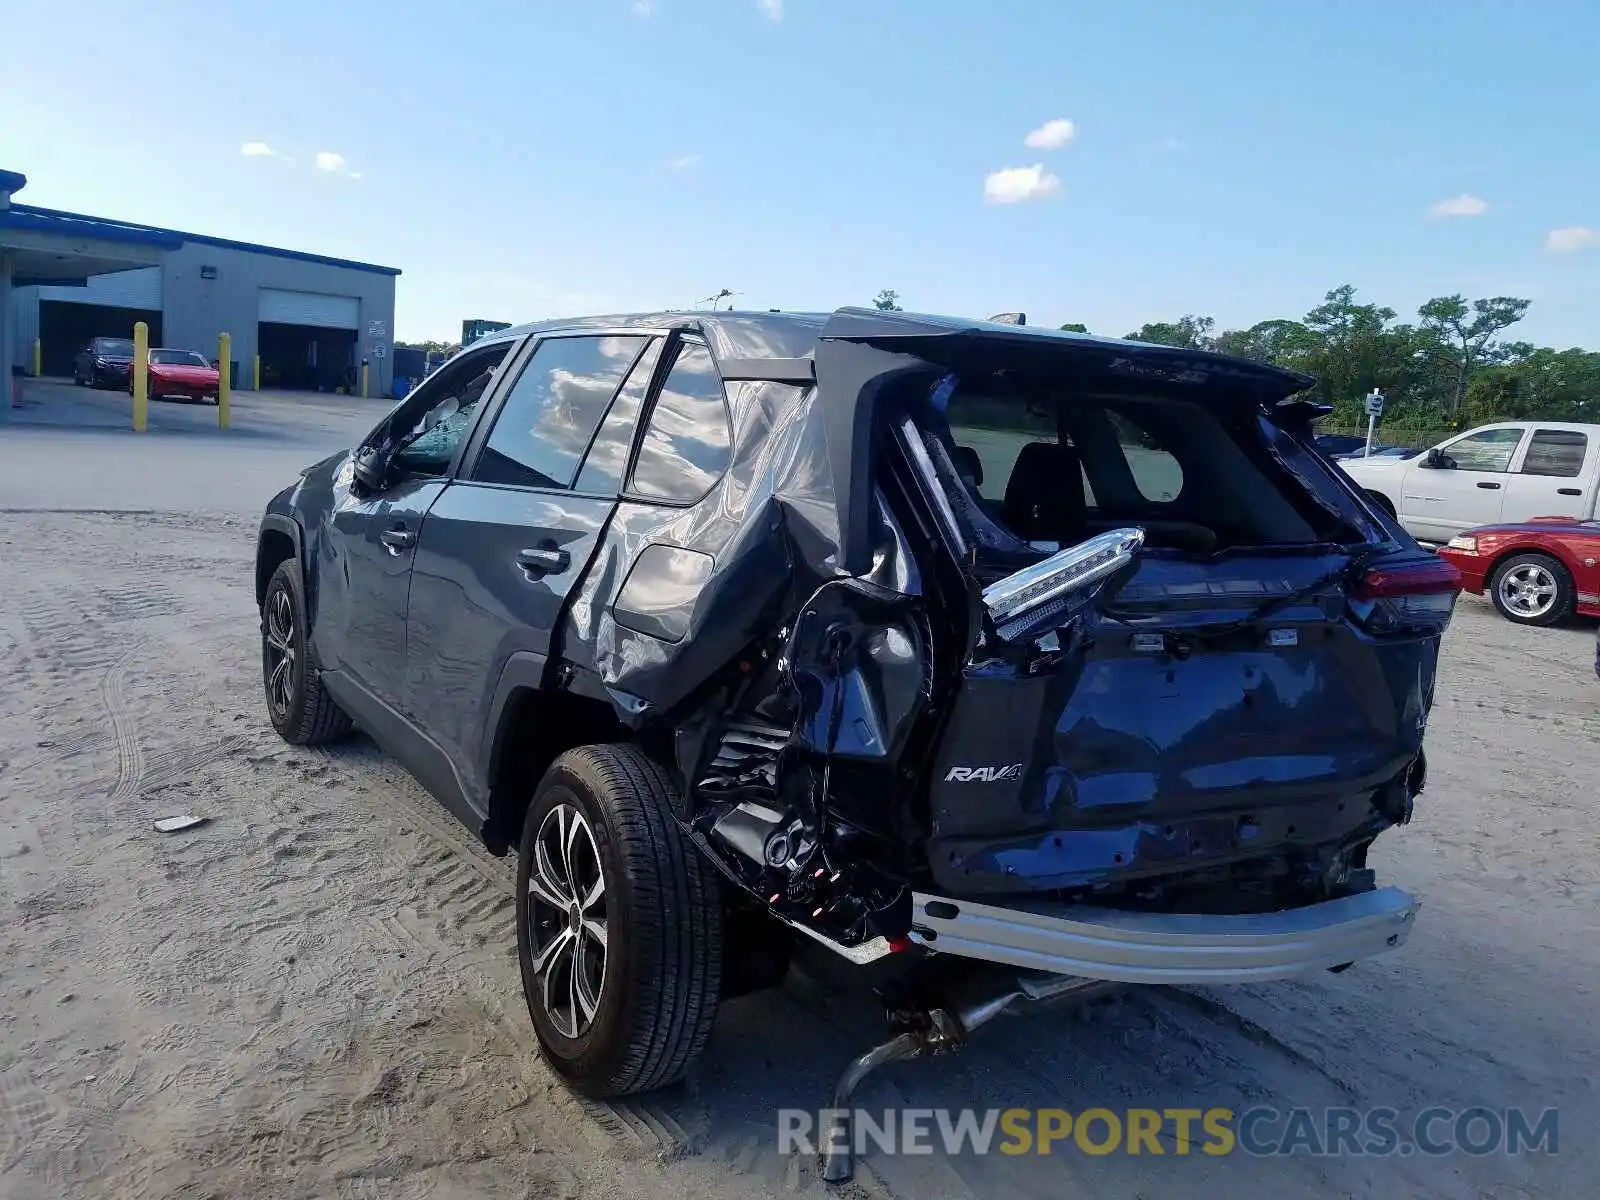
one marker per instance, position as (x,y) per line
(1374,411)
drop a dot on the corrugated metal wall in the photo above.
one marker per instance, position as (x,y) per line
(120,289)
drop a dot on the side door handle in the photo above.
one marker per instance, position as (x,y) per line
(397,540)
(542,560)
(1569,491)
(1487,486)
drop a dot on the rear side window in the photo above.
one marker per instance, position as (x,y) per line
(543,428)
(1155,470)
(687,442)
(1490,450)
(1557,452)
(608,456)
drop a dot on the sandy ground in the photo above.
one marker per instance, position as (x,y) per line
(316,994)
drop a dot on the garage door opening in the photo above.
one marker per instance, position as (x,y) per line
(65,328)
(311,358)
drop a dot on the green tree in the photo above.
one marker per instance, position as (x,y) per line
(1463,334)
(1075,327)
(1190,332)
(887,300)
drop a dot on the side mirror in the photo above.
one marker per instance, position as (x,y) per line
(1436,459)
(370,467)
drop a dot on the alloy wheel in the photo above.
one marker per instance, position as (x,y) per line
(278,634)
(567,920)
(1528,590)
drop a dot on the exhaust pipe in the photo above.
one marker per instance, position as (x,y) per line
(934,1031)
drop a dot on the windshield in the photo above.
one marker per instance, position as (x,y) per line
(177,358)
(114,348)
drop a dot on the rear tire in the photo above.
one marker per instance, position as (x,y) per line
(619,936)
(1532,589)
(301,710)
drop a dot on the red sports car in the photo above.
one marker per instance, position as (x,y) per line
(1536,572)
(181,373)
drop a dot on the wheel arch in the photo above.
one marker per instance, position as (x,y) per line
(1540,548)
(532,722)
(280,539)
(1382,501)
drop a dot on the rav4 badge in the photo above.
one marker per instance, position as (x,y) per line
(983,774)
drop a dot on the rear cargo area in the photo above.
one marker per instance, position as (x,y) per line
(1222,722)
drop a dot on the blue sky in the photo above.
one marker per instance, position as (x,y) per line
(1236,159)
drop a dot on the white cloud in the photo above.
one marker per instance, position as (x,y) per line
(257,150)
(355,175)
(1052,135)
(644,8)
(327,160)
(684,161)
(1463,205)
(1570,239)
(1012,185)
(773,9)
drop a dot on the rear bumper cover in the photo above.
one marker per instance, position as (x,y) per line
(1165,948)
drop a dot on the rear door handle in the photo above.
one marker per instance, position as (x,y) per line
(1569,491)
(397,540)
(548,559)
(1487,486)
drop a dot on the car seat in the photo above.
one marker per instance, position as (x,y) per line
(1044,497)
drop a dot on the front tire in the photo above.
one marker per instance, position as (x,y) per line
(301,710)
(1532,589)
(619,925)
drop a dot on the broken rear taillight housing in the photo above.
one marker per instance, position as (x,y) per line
(1031,592)
(1411,595)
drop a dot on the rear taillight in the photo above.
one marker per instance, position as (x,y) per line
(1412,595)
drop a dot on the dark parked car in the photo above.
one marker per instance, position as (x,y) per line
(714,620)
(104,362)
(1347,445)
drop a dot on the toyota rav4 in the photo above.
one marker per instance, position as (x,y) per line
(926,640)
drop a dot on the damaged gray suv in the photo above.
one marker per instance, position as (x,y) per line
(937,643)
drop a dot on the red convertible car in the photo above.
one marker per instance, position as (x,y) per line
(181,373)
(1537,572)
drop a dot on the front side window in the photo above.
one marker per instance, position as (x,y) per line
(429,426)
(1490,450)
(687,442)
(1557,452)
(553,409)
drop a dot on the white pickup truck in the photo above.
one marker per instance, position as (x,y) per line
(1505,472)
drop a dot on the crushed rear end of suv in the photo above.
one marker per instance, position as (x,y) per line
(1010,665)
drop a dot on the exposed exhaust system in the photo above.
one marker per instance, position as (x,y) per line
(935,1030)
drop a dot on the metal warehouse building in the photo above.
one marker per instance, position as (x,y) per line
(66,278)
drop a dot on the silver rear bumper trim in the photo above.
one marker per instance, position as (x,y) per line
(1166,948)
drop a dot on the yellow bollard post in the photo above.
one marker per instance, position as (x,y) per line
(224,380)
(141,376)
(38,358)
(363,379)
(258,373)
